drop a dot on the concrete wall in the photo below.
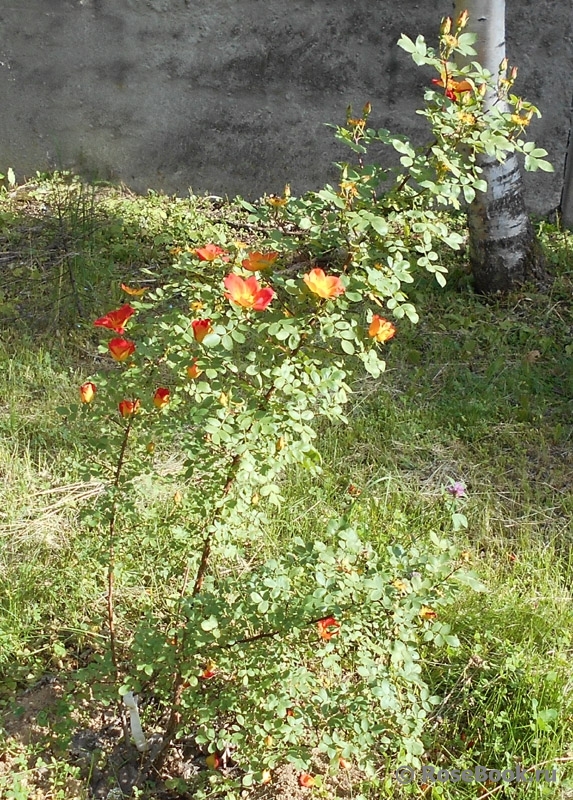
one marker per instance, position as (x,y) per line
(231,97)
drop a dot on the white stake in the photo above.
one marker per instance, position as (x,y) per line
(135,723)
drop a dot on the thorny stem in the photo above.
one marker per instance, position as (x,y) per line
(174,714)
(178,682)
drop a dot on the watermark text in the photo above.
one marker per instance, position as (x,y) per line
(430,774)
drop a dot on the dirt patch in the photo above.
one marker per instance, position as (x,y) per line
(84,754)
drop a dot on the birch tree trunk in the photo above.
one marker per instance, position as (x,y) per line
(504,252)
(566,205)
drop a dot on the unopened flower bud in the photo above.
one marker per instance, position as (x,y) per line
(267,776)
(463,19)
(513,73)
(87,392)
(446,26)
(213,761)
(503,66)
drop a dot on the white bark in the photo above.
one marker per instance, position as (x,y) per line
(503,250)
(566,205)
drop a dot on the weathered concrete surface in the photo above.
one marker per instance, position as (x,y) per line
(232,97)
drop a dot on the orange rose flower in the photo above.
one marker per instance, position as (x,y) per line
(326,286)
(428,613)
(210,670)
(258,261)
(128,407)
(327,628)
(161,397)
(193,371)
(116,320)
(306,780)
(453,88)
(211,252)
(133,292)
(87,392)
(201,327)
(121,349)
(380,329)
(247,292)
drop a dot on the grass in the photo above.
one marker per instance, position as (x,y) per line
(477,391)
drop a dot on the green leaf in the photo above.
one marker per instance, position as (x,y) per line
(209,624)
(354,297)
(406,44)
(459,520)
(469,193)
(380,225)
(469,579)
(211,340)
(403,147)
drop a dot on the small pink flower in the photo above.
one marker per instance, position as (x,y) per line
(457,489)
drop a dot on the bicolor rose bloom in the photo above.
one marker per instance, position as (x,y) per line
(453,88)
(325,286)
(87,392)
(428,613)
(210,252)
(306,780)
(133,292)
(161,397)
(327,628)
(128,407)
(247,292)
(258,261)
(210,670)
(380,329)
(116,320)
(193,371)
(201,327)
(121,349)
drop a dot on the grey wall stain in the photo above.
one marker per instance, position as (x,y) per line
(232,97)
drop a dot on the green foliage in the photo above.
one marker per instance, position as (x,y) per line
(233,374)
(383,223)
(324,643)
(269,672)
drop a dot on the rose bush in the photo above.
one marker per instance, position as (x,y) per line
(228,371)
